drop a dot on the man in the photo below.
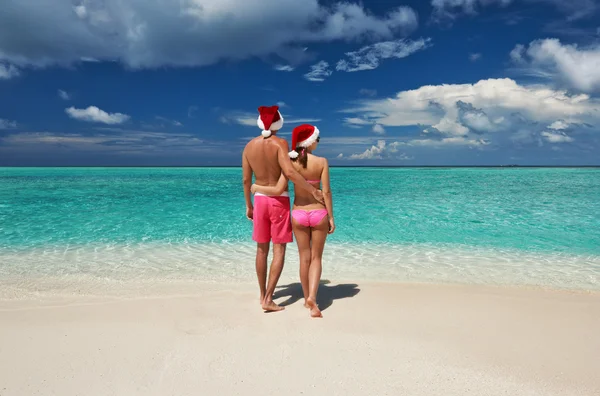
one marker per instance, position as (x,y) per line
(267,157)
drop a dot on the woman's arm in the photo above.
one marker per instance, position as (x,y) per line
(282,183)
(327,195)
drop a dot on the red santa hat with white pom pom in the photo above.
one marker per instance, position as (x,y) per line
(269,119)
(303,136)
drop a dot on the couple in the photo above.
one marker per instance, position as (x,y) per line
(268,158)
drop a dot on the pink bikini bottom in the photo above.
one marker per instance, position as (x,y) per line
(309,218)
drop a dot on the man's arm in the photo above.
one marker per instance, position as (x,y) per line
(247,181)
(288,170)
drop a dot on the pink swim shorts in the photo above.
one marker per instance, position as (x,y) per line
(272,220)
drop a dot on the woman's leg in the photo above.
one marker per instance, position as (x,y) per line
(302,235)
(318,237)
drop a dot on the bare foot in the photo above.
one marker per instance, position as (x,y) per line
(315,312)
(306,303)
(270,306)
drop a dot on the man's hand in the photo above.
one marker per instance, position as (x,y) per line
(318,195)
(250,213)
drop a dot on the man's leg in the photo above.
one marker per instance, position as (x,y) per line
(274,274)
(262,252)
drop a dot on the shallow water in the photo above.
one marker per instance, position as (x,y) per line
(533,226)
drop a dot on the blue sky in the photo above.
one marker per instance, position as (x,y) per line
(178,82)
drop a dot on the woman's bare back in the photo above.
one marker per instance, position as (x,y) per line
(312,173)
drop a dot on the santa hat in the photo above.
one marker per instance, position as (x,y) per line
(303,136)
(269,119)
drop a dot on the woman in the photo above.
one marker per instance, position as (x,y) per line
(311,221)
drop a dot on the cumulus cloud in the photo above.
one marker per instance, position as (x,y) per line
(378,129)
(382,150)
(63,95)
(8,71)
(318,72)
(558,125)
(6,124)
(556,137)
(94,114)
(141,33)
(374,152)
(477,120)
(567,64)
(488,105)
(369,57)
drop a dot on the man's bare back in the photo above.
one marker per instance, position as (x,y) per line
(262,155)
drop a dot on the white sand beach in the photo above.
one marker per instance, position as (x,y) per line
(374,339)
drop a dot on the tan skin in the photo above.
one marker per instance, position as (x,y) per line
(310,240)
(268,160)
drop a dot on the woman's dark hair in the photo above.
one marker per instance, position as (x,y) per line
(302,156)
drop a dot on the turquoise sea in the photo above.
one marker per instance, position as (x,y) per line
(65,227)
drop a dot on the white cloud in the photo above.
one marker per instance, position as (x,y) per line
(556,137)
(168,121)
(6,124)
(374,152)
(110,140)
(450,141)
(369,57)
(449,9)
(357,121)
(284,68)
(241,118)
(141,33)
(368,92)
(192,111)
(378,129)
(282,104)
(558,125)
(380,151)
(575,67)
(8,71)
(489,105)
(94,114)
(64,95)
(318,72)
(474,57)
(302,120)
(249,119)
(517,53)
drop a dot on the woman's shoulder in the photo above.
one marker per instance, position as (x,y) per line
(317,159)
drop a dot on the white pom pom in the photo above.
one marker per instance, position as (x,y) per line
(266,133)
(293,154)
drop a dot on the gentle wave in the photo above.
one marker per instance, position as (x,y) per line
(88,268)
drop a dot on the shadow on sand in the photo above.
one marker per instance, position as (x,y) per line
(325,296)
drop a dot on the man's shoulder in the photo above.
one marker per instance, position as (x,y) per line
(280,141)
(251,143)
